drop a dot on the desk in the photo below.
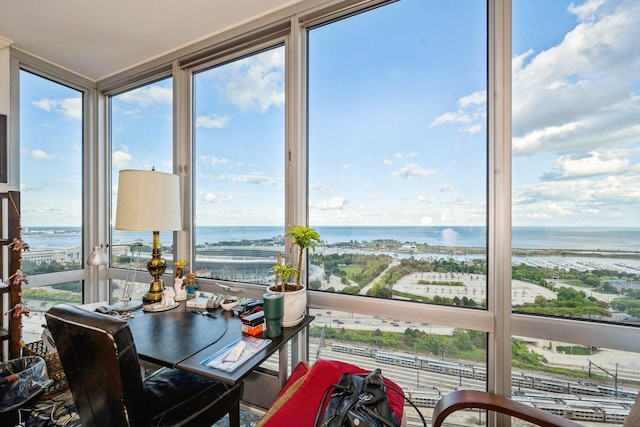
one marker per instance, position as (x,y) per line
(180,339)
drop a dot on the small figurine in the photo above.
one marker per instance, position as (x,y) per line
(18,244)
(191,284)
(18,278)
(18,310)
(178,285)
(168,297)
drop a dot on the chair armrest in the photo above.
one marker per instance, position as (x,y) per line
(465,399)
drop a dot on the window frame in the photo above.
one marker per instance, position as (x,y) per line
(289,25)
(22,61)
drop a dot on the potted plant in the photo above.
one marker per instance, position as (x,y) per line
(294,294)
(304,237)
(283,272)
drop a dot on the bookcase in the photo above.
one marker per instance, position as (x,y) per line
(10,263)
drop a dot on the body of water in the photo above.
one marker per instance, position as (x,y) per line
(583,238)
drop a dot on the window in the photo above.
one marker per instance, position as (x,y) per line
(397,152)
(51,141)
(575,236)
(427,361)
(141,138)
(51,149)
(239,167)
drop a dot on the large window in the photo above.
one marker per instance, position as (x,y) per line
(397,152)
(51,145)
(51,149)
(575,144)
(239,187)
(397,182)
(426,360)
(141,138)
(576,250)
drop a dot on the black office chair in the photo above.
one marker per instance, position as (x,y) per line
(101,365)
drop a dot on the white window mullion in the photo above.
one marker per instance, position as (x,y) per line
(499,171)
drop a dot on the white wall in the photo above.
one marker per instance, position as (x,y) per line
(5,82)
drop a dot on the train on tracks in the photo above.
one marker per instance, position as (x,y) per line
(575,400)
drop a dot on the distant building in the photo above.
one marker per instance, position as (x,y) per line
(44,254)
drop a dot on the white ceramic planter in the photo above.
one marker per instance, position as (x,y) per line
(295,304)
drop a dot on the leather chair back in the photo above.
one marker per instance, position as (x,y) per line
(101,364)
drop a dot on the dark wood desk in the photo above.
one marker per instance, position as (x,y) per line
(181,339)
(193,363)
(167,338)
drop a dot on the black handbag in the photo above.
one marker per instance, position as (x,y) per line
(358,400)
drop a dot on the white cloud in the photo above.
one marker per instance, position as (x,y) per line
(258,81)
(213,121)
(121,158)
(331,203)
(148,95)
(26,187)
(587,10)
(471,112)
(595,163)
(556,209)
(41,155)
(217,161)
(412,170)
(213,160)
(607,197)
(320,188)
(450,237)
(212,198)
(252,178)
(578,96)
(426,221)
(423,199)
(68,107)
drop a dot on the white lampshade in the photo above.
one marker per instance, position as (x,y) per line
(148,201)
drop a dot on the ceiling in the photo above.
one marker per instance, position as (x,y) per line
(99,38)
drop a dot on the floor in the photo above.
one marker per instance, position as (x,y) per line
(60,411)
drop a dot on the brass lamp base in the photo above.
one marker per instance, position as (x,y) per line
(156,267)
(155,292)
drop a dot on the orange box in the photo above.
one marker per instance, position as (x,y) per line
(254,330)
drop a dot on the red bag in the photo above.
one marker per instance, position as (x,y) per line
(298,401)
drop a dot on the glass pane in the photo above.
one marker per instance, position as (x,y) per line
(427,361)
(584,384)
(397,152)
(576,240)
(239,174)
(141,138)
(38,300)
(51,144)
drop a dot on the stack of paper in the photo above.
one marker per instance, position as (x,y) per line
(252,346)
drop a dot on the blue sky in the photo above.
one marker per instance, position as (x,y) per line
(397,128)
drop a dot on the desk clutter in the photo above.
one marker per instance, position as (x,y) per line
(254,324)
(235,354)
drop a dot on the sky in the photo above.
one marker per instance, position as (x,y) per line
(397,123)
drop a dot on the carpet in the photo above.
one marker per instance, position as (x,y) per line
(61,411)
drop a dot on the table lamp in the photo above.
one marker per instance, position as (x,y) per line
(149,201)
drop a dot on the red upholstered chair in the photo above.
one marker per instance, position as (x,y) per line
(298,401)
